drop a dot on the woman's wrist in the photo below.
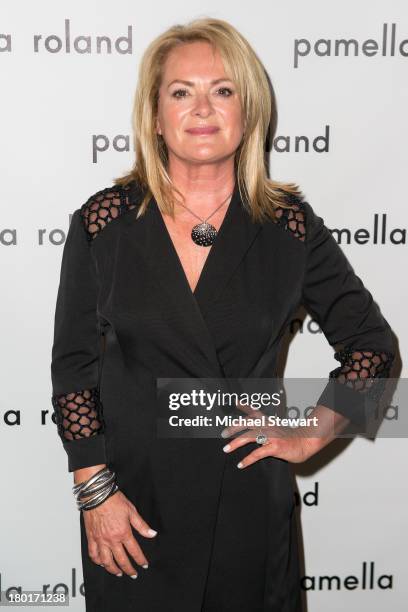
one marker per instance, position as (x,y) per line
(84,474)
(329,424)
(93,491)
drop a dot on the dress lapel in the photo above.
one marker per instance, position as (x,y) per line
(235,236)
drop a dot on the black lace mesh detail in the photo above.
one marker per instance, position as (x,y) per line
(293,219)
(103,207)
(363,370)
(78,414)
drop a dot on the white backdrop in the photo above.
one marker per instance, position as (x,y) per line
(349,110)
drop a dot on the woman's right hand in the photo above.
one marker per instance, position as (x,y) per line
(109,533)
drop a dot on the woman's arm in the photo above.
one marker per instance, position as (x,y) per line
(350,320)
(75,372)
(76,354)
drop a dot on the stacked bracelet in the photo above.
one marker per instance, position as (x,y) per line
(102,485)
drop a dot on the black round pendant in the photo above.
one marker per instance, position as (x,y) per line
(204,234)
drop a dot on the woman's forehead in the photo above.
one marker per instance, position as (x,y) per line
(197,57)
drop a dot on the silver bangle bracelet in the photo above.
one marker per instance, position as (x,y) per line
(82,485)
(96,489)
(92,503)
(96,486)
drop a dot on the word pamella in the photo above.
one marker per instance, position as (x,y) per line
(325,47)
(367,580)
(67,588)
(66,43)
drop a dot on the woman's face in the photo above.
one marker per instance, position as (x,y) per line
(199,102)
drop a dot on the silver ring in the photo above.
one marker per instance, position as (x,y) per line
(261,438)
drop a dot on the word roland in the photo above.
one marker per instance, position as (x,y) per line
(367,580)
(67,43)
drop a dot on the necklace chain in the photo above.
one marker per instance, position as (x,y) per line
(213,213)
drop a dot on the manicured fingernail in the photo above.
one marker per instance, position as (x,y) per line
(226,448)
(224,434)
(102,565)
(151,532)
(239,465)
(119,574)
(134,576)
(145,566)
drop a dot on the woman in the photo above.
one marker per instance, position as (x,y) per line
(150,290)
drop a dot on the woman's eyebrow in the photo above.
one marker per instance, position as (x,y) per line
(190,83)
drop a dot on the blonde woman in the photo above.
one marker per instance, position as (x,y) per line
(191,266)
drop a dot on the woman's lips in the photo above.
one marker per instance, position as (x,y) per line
(203,130)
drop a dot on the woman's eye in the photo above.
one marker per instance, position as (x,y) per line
(178,91)
(226,89)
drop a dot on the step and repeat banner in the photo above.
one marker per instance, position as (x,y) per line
(68,73)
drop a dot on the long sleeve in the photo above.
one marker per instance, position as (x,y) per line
(350,320)
(76,354)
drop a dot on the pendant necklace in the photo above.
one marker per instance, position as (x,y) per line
(204,233)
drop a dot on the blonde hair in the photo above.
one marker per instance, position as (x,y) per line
(260,195)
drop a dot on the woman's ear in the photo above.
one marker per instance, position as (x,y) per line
(158,129)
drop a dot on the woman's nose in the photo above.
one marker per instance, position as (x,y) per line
(202,104)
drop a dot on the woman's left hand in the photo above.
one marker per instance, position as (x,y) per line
(287,443)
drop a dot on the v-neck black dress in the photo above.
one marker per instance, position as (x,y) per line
(126,316)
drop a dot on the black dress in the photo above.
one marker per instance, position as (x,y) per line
(125,316)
